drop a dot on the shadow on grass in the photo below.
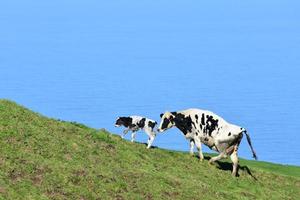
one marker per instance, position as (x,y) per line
(223,165)
(227,166)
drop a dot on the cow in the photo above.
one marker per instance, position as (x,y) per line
(134,124)
(202,126)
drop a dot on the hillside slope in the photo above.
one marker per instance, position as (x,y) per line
(42,158)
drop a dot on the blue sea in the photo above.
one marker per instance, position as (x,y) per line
(92,61)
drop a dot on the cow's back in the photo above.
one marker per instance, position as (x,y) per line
(202,115)
(207,123)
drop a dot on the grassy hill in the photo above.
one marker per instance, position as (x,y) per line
(42,158)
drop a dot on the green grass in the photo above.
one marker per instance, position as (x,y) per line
(42,158)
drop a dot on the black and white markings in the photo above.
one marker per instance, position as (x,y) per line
(136,123)
(201,126)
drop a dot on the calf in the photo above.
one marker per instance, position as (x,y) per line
(201,126)
(135,123)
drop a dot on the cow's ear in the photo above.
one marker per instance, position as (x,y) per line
(161,115)
(171,118)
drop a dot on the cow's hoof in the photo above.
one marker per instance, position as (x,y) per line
(201,159)
(210,162)
(233,174)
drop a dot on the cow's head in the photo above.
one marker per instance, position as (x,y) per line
(167,121)
(119,122)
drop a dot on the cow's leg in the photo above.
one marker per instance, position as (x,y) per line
(133,134)
(198,145)
(192,144)
(234,157)
(235,163)
(151,134)
(150,141)
(125,132)
(219,157)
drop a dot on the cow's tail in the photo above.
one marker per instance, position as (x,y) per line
(250,144)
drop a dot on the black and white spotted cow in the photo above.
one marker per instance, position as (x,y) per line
(201,126)
(135,123)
